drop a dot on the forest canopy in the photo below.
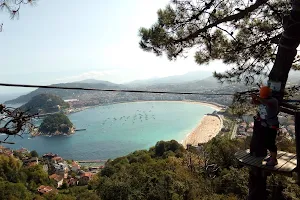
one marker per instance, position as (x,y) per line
(44,103)
(58,122)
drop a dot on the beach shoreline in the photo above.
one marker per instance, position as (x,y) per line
(207,128)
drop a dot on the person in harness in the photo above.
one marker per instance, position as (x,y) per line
(267,115)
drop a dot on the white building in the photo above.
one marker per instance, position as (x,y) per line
(60,167)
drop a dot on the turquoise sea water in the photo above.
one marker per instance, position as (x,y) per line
(119,129)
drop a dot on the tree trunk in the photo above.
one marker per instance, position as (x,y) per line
(287,51)
(278,76)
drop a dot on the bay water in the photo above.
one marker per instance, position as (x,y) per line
(118,129)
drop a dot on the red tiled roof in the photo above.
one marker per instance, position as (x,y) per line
(56,177)
(88,174)
(57,158)
(71,181)
(45,189)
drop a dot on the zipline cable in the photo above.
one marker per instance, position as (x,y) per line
(110,90)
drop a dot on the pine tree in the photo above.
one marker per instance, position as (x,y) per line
(246,34)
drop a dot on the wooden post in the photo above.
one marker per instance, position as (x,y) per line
(297,137)
(257,179)
(257,184)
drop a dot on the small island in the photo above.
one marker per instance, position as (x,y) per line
(45,104)
(55,124)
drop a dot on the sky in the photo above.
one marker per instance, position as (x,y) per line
(60,41)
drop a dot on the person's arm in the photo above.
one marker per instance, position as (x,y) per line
(255,101)
(263,101)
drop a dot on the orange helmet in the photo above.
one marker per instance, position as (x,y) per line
(265,92)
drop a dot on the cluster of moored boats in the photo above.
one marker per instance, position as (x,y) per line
(139,116)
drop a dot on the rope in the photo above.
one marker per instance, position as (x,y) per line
(109,90)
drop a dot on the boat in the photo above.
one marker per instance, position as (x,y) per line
(82,129)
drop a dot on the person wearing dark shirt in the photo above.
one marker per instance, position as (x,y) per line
(267,115)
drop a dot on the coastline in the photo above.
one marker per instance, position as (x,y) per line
(208,104)
(207,128)
(81,155)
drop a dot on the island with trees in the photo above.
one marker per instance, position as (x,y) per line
(56,124)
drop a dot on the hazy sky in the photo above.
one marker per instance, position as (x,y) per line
(62,41)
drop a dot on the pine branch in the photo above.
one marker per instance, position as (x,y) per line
(234,17)
(17,121)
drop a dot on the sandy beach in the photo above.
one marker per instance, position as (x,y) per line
(208,127)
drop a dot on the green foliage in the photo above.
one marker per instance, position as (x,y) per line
(239,108)
(53,196)
(292,192)
(87,195)
(163,176)
(159,174)
(238,180)
(239,33)
(69,162)
(64,185)
(56,122)
(220,151)
(14,191)
(165,171)
(34,154)
(36,176)
(285,144)
(165,149)
(10,169)
(80,192)
(44,103)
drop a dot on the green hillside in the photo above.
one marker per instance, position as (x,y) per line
(44,103)
(164,172)
(64,94)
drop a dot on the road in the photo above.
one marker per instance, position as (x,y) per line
(233,134)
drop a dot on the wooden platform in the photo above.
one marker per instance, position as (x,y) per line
(287,162)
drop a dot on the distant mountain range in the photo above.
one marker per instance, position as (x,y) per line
(157,83)
(64,94)
(180,83)
(94,81)
(188,77)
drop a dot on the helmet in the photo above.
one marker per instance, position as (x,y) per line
(265,92)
